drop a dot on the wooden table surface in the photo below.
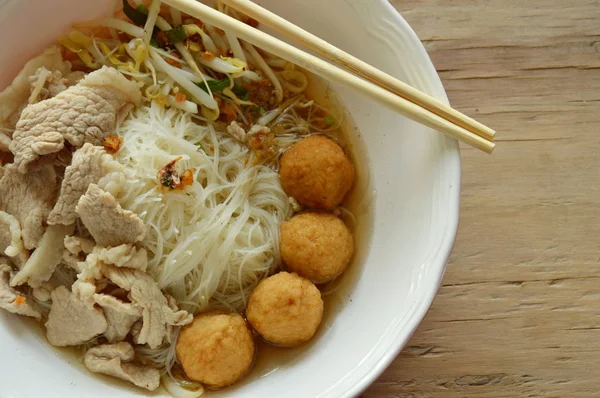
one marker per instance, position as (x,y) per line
(518,313)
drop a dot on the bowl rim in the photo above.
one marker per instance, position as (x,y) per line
(439,262)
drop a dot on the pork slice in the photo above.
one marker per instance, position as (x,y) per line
(106,221)
(119,315)
(90,163)
(47,83)
(84,289)
(115,360)
(44,84)
(71,260)
(43,293)
(86,112)
(126,278)
(15,97)
(10,299)
(11,243)
(42,263)
(158,315)
(91,270)
(4,142)
(76,249)
(29,198)
(172,303)
(71,322)
(123,256)
(78,244)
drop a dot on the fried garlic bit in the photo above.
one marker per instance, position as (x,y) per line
(112,144)
(170,178)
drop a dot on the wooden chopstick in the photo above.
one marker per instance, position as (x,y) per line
(330,72)
(361,68)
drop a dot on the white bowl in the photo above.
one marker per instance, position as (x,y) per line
(415,179)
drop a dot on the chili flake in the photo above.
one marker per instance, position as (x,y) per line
(170,178)
(112,143)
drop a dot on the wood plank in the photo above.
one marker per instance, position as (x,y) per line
(517,314)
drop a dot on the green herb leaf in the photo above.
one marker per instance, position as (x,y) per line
(136,16)
(259,109)
(142,8)
(154,43)
(329,120)
(216,86)
(176,34)
(241,92)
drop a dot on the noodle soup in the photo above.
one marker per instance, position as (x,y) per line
(198,205)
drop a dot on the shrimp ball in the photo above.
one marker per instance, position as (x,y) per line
(285,309)
(216,349)
(316,245)
(316,172)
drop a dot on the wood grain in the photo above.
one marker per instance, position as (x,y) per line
(518,314)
